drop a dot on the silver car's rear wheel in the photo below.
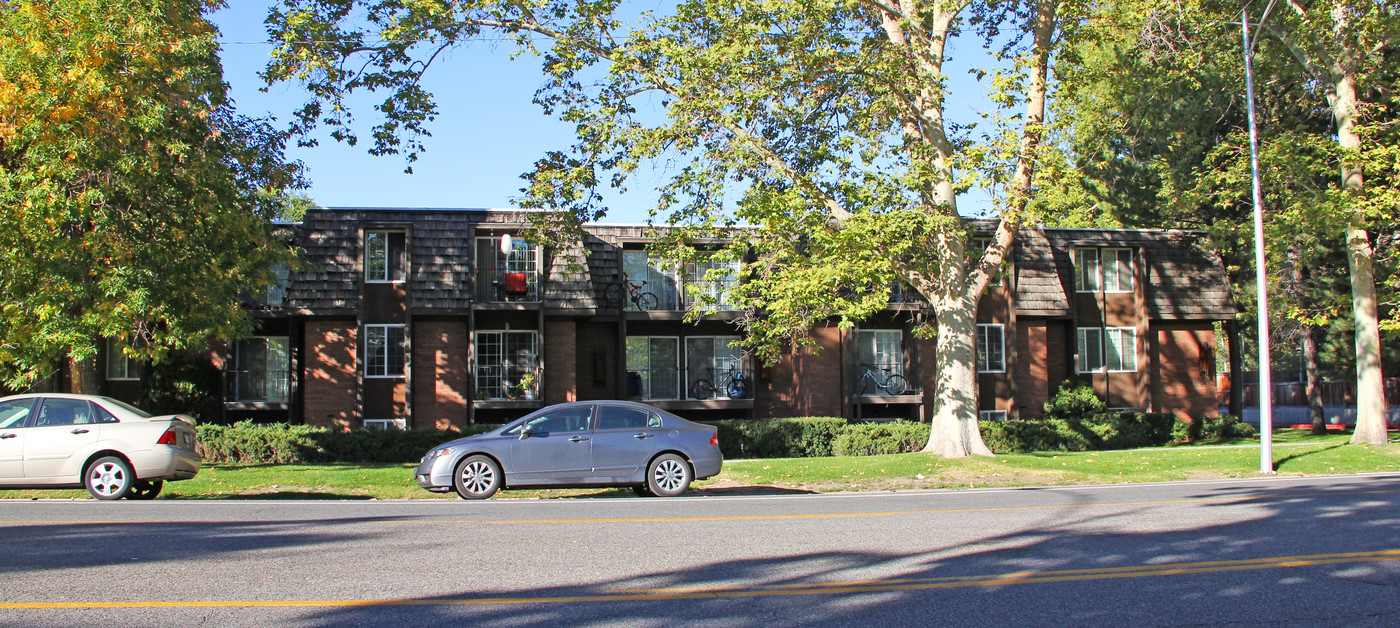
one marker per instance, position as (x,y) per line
(477,477)
(108,478)
(668,475)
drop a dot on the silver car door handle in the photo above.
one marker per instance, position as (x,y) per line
(642,435)
(578,439)
(80,431)
(8,435)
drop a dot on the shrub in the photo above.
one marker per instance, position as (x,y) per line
(873,439)
(1075,399)
(1186,431)
(778,438)
(1223,427)
(281,443)
(1106,430)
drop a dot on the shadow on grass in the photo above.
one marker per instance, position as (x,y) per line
(1286,459)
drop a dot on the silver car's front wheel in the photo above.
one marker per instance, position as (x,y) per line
(668,475)
(108,478)
(477,477)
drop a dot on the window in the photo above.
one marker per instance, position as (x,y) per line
(64,412)
(121,367)
(991,349)
(882,349)
(653,367)
(14,412)
(261,369)
(569,419)
(385,350)
(502,360)
(711,289)
(713,358)
(620,418)
(652,277)
(1111,269)
(507,277)
(991,415)
(979,247)
(1113,348)
(386,256)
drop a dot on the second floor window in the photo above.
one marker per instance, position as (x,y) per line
(1109,269)
(385,351)
(717,361)
(708,284)
(511,276)
(386,256)
(991,349)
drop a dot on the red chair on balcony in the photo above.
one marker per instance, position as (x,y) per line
(516,286)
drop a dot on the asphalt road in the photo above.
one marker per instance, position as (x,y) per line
(1315,552)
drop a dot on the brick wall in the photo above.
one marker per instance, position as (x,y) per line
(441,377)
(1183,370)
(329,374)
(561,364)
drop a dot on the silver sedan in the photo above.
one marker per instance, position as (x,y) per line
(583,443)
(112,449)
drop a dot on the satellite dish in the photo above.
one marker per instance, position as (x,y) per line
(506,244)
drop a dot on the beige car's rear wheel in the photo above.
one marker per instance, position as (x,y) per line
(108,478)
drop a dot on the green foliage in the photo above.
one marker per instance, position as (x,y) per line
(1075,399)
(134,202)
(281,443)
(874,439)
(779,438)
(1096,432)
(182,384)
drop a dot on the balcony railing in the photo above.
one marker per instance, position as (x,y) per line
(257,386)
(500,286)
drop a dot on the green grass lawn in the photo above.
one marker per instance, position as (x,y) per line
(1297,452)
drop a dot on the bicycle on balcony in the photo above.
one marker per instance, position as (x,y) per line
(733,382)
(884,380)
(614,295)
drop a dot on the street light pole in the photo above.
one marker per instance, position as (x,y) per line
(1266,419)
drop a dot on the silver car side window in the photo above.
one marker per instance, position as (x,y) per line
(572,419)
(621,418)
(14,412)
(64,412)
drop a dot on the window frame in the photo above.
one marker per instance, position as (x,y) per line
(648,385)
(369,364)
(983,363)
(1123,262)
(389,274)
(990,415)
(1109,340)
(496,377)
(130,366)
(524,257)
(702,371)
(875,335)
(695,288)
(240,370)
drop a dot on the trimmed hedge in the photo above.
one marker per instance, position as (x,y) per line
(805,437)
(802,437)
(280,443)
(874,439)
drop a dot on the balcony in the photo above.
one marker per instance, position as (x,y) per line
(503,286)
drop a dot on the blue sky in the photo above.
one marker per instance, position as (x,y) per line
(488,132)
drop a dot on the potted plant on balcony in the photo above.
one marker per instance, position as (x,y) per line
(527,385)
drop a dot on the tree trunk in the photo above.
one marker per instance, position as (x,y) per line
(954,432)
(82,373)
(1370,384)
(1309,338)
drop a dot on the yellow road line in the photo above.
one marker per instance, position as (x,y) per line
(815,588)
(840,515)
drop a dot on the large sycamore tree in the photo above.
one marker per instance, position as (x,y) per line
(822,125)
(133,202)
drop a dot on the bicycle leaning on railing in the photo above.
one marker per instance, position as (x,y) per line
(733,382)
(891,383)
(614,293)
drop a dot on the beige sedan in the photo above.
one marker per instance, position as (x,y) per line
(111,448)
